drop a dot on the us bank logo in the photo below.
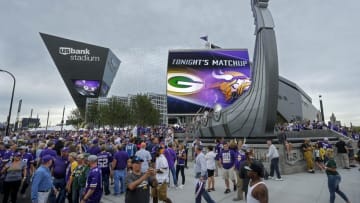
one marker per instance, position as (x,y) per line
(78,54)
(184,83)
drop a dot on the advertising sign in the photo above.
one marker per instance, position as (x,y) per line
(87,70)
(201,79)
(87,87)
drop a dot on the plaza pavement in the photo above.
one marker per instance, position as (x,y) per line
(296,188)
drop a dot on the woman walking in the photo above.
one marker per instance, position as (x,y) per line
(334,177)
(14,172)
(211,166)
(180,164)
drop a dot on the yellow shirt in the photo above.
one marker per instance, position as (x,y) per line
(74,164)
(322,153)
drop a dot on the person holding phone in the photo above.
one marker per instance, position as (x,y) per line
(138,183)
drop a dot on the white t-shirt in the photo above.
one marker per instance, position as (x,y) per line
(162,164)
(210,160)
(146,156)
(273,152)
(118,140)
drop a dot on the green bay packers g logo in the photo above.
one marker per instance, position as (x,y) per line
(183,83)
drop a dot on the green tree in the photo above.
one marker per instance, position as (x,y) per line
(144,112)
(92,114)
(356,129)
(117,113)
(75,118)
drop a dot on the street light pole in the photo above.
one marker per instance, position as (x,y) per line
(11,102)
(321,109)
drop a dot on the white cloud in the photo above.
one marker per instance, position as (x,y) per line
(317,44)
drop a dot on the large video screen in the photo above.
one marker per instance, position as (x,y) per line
(200,79)
(87,87)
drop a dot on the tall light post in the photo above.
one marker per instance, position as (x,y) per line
(321,109)
(11,102)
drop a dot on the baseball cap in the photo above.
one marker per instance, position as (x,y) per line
(244,147)
(73,155)
(46,158)
(65,149)
(80,156)
(92,158)
(256,167)
(23,147)
(17,154)
(136,159)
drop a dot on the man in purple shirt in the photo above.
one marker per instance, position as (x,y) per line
(2,149)
(119,166)
(29,160)
(59,173)
(93,188)
(8,154)
(226,161)
(104,160)
(170,155)
(94,149)
(240,159)
(49,150)
(218,148)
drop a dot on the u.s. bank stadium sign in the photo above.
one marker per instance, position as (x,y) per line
(78,54)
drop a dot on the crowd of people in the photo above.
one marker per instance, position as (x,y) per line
(300,125)
(317,153)
(347,132)
(82,166)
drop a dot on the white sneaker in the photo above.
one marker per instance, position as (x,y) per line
(181,187)
(271,177)
(279,179)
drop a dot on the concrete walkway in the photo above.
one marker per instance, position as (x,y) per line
(296,188)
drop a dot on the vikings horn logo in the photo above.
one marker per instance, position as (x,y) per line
(235,83)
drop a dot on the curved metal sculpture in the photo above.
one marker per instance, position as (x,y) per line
(254,114)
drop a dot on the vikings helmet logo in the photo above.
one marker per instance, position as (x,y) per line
(235,84)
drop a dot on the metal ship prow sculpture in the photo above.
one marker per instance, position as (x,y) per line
(254,114)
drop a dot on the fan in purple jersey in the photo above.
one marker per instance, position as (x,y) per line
(94,148)
(59,173)
(8,154)
(49,150)
(325,144)
(170,155)
(227,160)
(104,160)
(119,165)
(29,160)
(93,188)
(2,150)
(240,159)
